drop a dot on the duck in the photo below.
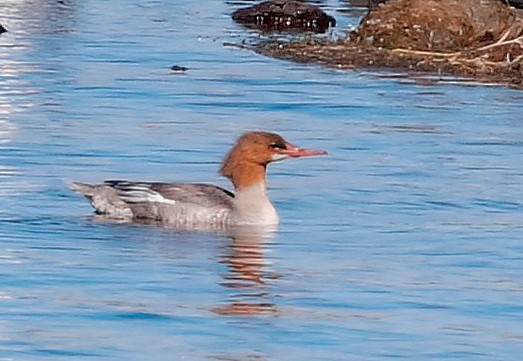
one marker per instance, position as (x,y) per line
(202,205)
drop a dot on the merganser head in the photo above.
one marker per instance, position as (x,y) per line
(252,152)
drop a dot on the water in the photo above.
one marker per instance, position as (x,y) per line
(404,243)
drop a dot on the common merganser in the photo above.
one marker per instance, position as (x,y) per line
(197,205)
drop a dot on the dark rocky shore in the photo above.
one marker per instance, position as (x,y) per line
(284,15)
(480,39)
(371,3)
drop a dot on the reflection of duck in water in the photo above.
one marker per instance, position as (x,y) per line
(247,274)
(202,206)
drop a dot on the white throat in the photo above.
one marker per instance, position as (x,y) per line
(252,206)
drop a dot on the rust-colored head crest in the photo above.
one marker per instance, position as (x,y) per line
(246,162)
(254,148)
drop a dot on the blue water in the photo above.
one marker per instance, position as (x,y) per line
(406,242)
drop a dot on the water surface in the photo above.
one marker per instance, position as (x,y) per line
(404,243)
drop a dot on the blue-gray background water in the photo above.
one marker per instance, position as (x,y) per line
(405,242)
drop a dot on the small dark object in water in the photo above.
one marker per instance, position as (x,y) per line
(178,69)
(2,29)
(284,15)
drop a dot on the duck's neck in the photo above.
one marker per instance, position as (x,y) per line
(251,202)
(244,175)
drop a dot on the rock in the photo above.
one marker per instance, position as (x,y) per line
(435,25)
(373,3)
(516,3)
(477,39)
(281,15)
(2,29)
(366,3)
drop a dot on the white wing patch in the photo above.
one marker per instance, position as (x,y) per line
(139,193)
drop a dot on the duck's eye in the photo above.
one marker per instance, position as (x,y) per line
(277,145)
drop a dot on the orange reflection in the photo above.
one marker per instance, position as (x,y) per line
(247,274)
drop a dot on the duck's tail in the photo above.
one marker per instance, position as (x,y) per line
(82,188)
(104,199)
